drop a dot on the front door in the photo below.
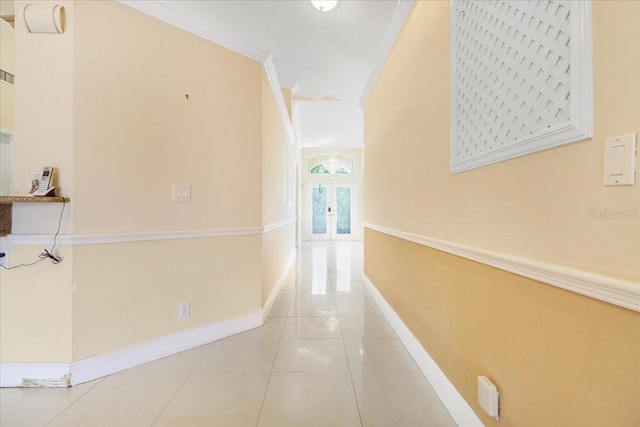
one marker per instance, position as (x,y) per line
(331,209)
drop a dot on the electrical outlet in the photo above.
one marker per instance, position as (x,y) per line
(4,260)
(184,310)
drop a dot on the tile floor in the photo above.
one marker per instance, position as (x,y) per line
(325,357)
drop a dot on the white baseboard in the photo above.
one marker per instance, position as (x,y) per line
(457,406)
(110,363)
(274,294)
(34,375)
(65,374)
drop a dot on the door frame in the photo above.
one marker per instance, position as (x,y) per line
(331,234)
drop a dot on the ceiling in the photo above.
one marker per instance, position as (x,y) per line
(336,54)
(318,54)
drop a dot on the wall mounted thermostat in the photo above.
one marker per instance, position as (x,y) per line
(620,154)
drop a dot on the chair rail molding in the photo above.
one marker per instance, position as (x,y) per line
(624,293)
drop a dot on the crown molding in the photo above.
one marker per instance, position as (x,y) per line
(272,76)
(403,7)
(162,11)
(620,292)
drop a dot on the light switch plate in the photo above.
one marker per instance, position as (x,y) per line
(181,193)
(620,153)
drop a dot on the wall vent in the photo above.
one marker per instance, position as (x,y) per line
(6,76)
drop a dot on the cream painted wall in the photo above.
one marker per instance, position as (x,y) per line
(278,246)
(36,308)
(277,167)
(7,63)
(6,107)
(36,301)
(136,130)
(126,294)
(537,206)
(113,116)
(558,358)
(44,128)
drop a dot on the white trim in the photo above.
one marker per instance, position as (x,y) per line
(34,374)
(65,374)
(274,294)
(4,24)
(276,225)
(193,25)
(270,69)
(97,239)
(106,364)
(580,124)
(457,406)
(393,30)
(624,293)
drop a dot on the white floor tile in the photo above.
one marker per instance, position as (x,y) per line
(271,330)
(399,399)
(304,308)
(324,357)
(312,327)
(363,307)
(36,406)
(123,400)
(378,355)
(279,309)
(309,399)
(311,355)
(217,400)
(239,356)
(184,362)
(366,327)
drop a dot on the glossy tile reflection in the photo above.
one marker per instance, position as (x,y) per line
(326,356)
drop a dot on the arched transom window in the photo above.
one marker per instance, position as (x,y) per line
(331,163)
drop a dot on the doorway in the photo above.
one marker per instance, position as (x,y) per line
(332,211)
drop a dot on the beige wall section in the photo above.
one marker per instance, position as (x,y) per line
(558,359)
(537,206)
(278,245)
(108,109)
(36,301)
(35,308)
(44,134)
(136,133)
(278,249)
(127,294)
(7,63)
(277,167)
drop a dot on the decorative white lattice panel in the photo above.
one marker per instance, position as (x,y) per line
(521,78)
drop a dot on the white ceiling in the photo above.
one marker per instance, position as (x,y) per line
(328,124)
(317,54)
(336,54)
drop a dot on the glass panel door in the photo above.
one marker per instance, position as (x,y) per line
(319,212)
(331,210)
(342,211)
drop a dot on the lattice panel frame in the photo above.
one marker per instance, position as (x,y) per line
(521,78)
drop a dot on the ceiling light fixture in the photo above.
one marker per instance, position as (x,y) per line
(324,5)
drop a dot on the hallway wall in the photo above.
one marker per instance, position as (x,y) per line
(539,344)
(123,112)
